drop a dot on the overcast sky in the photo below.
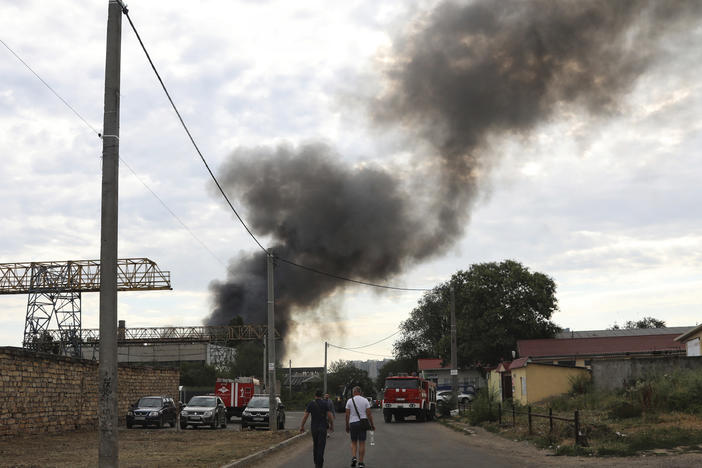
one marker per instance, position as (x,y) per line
(606,203)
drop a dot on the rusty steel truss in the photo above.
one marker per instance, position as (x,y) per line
(210,334)
(55,289)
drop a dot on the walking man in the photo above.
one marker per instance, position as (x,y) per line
(358,408)
(321,420)
(331,408)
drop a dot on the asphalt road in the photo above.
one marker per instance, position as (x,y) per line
(403,444)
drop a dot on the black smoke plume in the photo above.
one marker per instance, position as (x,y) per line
(461,76)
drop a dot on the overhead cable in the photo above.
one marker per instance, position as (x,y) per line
(121,159)
(221,190)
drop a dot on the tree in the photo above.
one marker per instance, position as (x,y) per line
(646,322)
(496,305)
(343,375)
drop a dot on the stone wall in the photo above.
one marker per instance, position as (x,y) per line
(48,393)
(609,374)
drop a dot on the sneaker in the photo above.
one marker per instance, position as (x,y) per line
(361,465)
(353,461)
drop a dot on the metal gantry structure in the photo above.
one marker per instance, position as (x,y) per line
(55,289)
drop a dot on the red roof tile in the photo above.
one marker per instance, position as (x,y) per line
(598,346)
(426,364)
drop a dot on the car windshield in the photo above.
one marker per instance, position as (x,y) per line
(402,383)
(149,402)
(203,401)
(258,402)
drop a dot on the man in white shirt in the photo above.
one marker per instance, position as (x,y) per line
(358,408)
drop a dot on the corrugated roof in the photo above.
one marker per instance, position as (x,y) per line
(622,332)
(598,346)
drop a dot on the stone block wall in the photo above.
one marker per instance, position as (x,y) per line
(47,393)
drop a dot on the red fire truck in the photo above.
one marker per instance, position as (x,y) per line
(409,395)
(236,393)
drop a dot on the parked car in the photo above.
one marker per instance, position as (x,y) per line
(256,413)
(205,410)
(152,410)
(444,396)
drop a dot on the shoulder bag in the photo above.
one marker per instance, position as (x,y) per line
(365,423)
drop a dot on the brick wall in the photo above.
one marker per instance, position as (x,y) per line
(47,393)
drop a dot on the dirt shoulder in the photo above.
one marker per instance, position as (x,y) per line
(525,454)
(138,448)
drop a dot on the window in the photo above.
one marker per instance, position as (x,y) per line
(522,383)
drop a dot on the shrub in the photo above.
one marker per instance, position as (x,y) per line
(622,409)
(484,407)
(580,384)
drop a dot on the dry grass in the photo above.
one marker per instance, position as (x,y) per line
(137,448)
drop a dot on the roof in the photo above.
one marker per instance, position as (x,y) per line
(689,333)
(521,362)
(504,366)
(621,332)
(598,346)
(427,364)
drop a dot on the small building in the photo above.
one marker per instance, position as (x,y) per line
(431,369)
(536,381)
(499,380)
(580,351)
(691,341)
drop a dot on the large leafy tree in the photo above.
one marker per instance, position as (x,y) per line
(496,305)
(343,375)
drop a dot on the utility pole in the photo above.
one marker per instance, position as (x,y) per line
(454,352)
(108,451)
(290,380)
(272,403)
(265,370)
(326,346)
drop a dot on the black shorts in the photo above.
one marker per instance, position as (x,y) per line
(356,433)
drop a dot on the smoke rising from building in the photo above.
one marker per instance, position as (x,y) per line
(460,76)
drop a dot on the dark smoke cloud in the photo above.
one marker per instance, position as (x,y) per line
(462,75)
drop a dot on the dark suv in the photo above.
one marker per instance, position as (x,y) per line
(256,413)
(204,411)
(152,410)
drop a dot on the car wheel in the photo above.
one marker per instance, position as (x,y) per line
(387,417)
(159,423)
(224,422)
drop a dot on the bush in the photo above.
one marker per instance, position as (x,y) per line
(484,407)
(623,409)
(580,384)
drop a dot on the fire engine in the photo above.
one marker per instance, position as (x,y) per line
(236,393)
(409,395)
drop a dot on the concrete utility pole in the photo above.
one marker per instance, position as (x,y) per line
(290,379)
(272,404)
(454,351)
(108,456)
(265,364)
(326,346)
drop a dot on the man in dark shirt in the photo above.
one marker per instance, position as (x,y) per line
(321,420)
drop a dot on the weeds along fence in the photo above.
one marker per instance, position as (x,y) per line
(513,412)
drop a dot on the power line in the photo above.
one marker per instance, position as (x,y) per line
(51,89)
(366,283)
(360,352)
(121,159)
(219,186)
(185,127)
(173,214)
(369,345)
